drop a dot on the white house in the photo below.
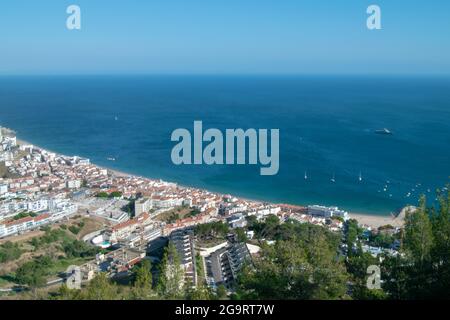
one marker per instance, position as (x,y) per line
(327,212)
(3,189)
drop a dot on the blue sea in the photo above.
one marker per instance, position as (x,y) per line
(326,127)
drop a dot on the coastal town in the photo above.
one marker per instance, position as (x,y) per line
(128,219)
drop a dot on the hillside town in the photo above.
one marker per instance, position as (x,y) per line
(138,216)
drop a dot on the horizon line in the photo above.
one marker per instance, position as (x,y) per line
(257,74)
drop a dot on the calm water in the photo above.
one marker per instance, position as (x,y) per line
(326,126)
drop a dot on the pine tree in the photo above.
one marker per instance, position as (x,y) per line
(441,248)
(101,288)
(418,237)
(142,288)
(171,274)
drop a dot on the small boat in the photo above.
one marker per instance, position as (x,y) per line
(360,176)
(333,179)
(306,176)
(111,159)
(383,131)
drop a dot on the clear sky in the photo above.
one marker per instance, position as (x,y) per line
(224,36)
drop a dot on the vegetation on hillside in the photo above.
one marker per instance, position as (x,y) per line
(296,261)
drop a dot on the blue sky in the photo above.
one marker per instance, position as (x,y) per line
(224,36)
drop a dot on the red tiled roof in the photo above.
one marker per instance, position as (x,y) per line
(19,221)
(139,219)
(41,217)
(124,224)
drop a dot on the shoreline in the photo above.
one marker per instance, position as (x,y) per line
(368,219)
(378,221)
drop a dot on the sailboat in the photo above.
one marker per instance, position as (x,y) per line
(360,176)
(333,178)
(306,176)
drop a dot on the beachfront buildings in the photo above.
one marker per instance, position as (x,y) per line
(327,212)
(53,187)
(7,142)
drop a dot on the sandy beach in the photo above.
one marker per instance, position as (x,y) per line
(378,221)
(374,221)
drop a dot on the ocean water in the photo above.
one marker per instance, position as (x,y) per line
(326,127)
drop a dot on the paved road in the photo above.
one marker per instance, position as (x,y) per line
(18,288)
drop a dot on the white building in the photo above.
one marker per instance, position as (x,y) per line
(167,202)
(23,225)
(327,212)
(63,209)
(142,205)
(37,205)
(3,189)
(73,184)
(8,143)
(262,213)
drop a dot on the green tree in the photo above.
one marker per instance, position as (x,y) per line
(221,292)
(418,235)
(34,273)
(102,195)
(422,269)
(115,194)
(241,235)
(440,253)
(295,269)
(199,292)
(170,282)
(9,251)
(100,288)
(351,234)
(64,293)
(142,288)
(357,265)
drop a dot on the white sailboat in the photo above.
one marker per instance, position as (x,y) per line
(360,176)
(306,176)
